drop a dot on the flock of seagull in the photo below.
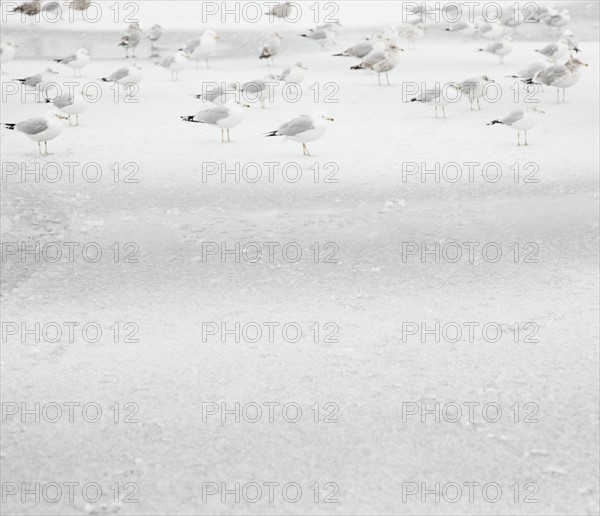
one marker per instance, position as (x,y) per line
(378,53)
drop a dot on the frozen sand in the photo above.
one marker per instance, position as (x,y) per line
(370,372)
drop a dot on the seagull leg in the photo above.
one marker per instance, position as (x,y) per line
(76,119)
(436,115)
(558,95)
(40,148)
(207,64)
(228,136)
(444,111)
(46,148)
(305,149)
(379,79)
(388,78)
(222,136)
(564,92)
(525,137)
(518,138)
(478,105)
(70,124)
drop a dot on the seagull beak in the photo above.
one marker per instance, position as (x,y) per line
(62,117)
(246,105)
(217,36)
(329,119)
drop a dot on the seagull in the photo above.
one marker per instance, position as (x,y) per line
(464,27)
(436,97)
(559,19)
(378,53)
(29,8)
(39,80)
(71,104)
(554,51)
(175,63)
(304,129)
(528,72)
(499,48)
(559,76)
(76,61)
(295,74)
(41,129)
(359,50)
(224,117)
(475,89)
(202,47)
(333,27)
(389,61)
(411,33)
(216,96)
(489,30)
(521,120)
(7,52)
(80,5)
(282,11)
(254,90)
(131,39)
(52,7)
(376,43)
(323,37)
(271,47)
(128,76)
(154,34)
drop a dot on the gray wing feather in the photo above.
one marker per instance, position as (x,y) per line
(190,46)
(67,60)
(212,115)
(63,101)
(167,62)
(32,126)
(119,74)
(296,126)
(549,49)
(495,46)
(33,80)
(284,74)
(513,117)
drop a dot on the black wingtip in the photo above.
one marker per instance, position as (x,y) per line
(10,126)
(272,133)
(493,122)
(188,118)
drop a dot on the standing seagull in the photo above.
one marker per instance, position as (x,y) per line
(41,129)
(324,37)
(571,41)
(294,75)
(71,103)
(560,77)
(304,129)
(521,120)
(128,76)
(499,48)
(389,61)
(7,52)
(270,48)
(359,50)
(131,39)
(554,51)
(154,34)
(76,61)
(38,81)
(224,117)
(436,97)
(202,47)
(475,89)
(175,64)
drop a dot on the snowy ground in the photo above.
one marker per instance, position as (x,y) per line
(370,453)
